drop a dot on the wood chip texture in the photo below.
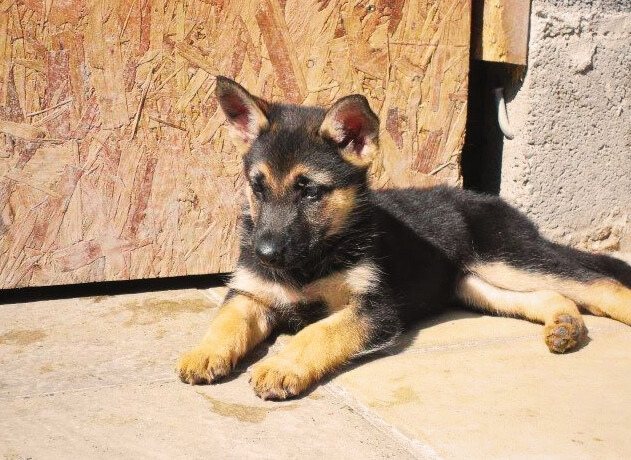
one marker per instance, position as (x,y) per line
(500,31)
(114,160)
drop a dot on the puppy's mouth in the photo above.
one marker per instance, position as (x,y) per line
(271,265)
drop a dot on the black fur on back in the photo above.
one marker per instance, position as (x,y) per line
(421,241)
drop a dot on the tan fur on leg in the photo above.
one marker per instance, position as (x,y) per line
(564,326)
(606,298)
(603,297)
(239,326)
(315,351)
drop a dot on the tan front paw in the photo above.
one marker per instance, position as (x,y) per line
(201,365)
(277,378)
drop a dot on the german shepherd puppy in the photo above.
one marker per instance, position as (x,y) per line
(350,268)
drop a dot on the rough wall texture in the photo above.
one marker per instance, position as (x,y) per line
(569,166)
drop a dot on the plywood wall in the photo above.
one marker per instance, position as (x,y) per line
(113,160)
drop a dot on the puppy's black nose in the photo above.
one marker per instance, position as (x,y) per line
(269,251)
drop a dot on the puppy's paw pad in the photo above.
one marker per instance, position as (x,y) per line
(565,333)
(201,366)
(277,380)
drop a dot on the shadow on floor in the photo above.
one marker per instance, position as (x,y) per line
(110,288)
(276,342)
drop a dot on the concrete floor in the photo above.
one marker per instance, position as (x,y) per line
(94,377)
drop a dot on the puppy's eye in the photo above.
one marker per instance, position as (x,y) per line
(257,186)
(312,192)
(301,183)
(309,189)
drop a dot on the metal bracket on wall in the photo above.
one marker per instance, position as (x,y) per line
(502,115)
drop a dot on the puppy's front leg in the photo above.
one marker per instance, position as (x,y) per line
(241,324)
(315,351)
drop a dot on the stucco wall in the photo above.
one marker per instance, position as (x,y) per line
(569,166)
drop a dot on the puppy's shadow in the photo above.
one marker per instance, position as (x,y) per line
(276,342)
(404,342)
(279,339)
(269,346)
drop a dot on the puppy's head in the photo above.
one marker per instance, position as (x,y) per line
(306,170)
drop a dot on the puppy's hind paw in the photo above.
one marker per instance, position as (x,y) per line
(565,333)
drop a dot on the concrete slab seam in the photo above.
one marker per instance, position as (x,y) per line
(415,447)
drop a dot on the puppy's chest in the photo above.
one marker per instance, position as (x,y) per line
(335,291)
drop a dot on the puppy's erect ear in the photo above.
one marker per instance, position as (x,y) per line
(354,127)
(245,113)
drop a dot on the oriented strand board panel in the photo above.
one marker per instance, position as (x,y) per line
(500,31)
(114,163)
